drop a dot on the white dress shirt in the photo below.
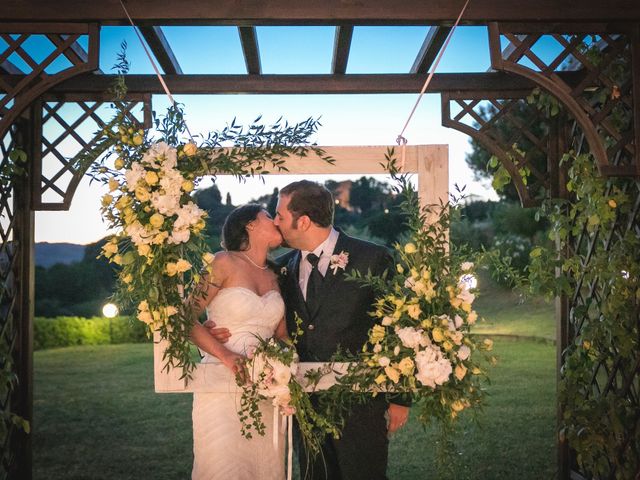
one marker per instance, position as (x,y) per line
(326,248)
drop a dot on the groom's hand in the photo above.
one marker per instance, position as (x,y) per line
(398,415)
(220,334)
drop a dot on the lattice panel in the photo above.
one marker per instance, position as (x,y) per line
(602,94)
(43,55)
(511,129)
(9,256)
(69,127)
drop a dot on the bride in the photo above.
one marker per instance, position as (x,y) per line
(241,293)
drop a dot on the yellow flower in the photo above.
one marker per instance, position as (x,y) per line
(156,220)
(128,278)
(392,373)
(466,307)
(476,371)
(488,343)
(460,371)
(427,323)
(171,269)
(199,226)
(144,250)
(145,316)
(455,302)
(113,184)
(109,249)
(447,345)
(190,149)
(457,406)
(399,268)
(151,177)
(437,335)
(117,259)
(208,258)
(160,238)
(414,311)
(586,344)
(170,310)
(137,139)
(410,248)
(182,265)
(406,366)
(106,200)
(119,163)
(472,317)
(612,203)
(142,194)
(187,186)
(377,334)
(124,139)
(381,379)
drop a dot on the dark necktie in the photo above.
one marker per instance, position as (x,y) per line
(314,283)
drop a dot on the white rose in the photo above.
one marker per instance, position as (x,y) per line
(134,175)
(386,321)
(384,361)
(410,337)
(281,372)
(179,236)
(377,348)
(433,368)
(458,321)
(466,266)
(464,352)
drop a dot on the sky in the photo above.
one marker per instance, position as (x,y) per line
(346,119)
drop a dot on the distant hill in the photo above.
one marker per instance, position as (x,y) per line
(48,254)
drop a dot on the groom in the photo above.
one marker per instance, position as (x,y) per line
(334,313)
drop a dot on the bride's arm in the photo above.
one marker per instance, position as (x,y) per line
(209,287)
(281,331)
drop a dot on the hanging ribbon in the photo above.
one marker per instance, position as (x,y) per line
(287,425)
(153,64)
(400,140)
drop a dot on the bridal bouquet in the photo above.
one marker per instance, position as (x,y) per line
(270,374)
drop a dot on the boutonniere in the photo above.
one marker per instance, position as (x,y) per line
(339,261)
(284,271)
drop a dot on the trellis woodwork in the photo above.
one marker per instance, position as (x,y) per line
(41,76)
(615,150)
(56,171)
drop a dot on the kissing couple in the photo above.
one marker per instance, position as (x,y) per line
(247,296)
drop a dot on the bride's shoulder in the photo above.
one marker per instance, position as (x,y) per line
(222,262)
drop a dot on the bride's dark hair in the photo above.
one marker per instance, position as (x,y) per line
(234,231)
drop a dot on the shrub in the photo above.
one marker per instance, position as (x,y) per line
(68,331)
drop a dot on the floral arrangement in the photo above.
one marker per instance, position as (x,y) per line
(159,243)
(420,345)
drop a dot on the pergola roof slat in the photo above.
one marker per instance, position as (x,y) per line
(341,48)
(250,49)
(328,12)
(300,84)
(436,36)
(161,49)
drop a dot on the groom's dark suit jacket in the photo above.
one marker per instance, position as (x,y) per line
(341,319)
(341,316)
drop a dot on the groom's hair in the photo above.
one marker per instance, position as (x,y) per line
(310,199)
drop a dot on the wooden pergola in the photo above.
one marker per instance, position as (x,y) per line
(32,94)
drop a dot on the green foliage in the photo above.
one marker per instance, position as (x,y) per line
(69,331)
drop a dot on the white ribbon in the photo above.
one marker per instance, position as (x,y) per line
(287,425)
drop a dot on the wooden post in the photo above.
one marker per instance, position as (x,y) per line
(430,162)
(23,237)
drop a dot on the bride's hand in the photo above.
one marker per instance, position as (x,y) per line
(235,363)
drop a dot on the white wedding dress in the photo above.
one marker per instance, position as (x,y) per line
(220,451)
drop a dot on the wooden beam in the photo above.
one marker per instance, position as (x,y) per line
(250,49)
(299,84)
(161,49)
(9,68)
(341,47)
(436,36)
(327,12)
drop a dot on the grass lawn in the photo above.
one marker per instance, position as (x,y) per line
(97,417)
(502,312)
